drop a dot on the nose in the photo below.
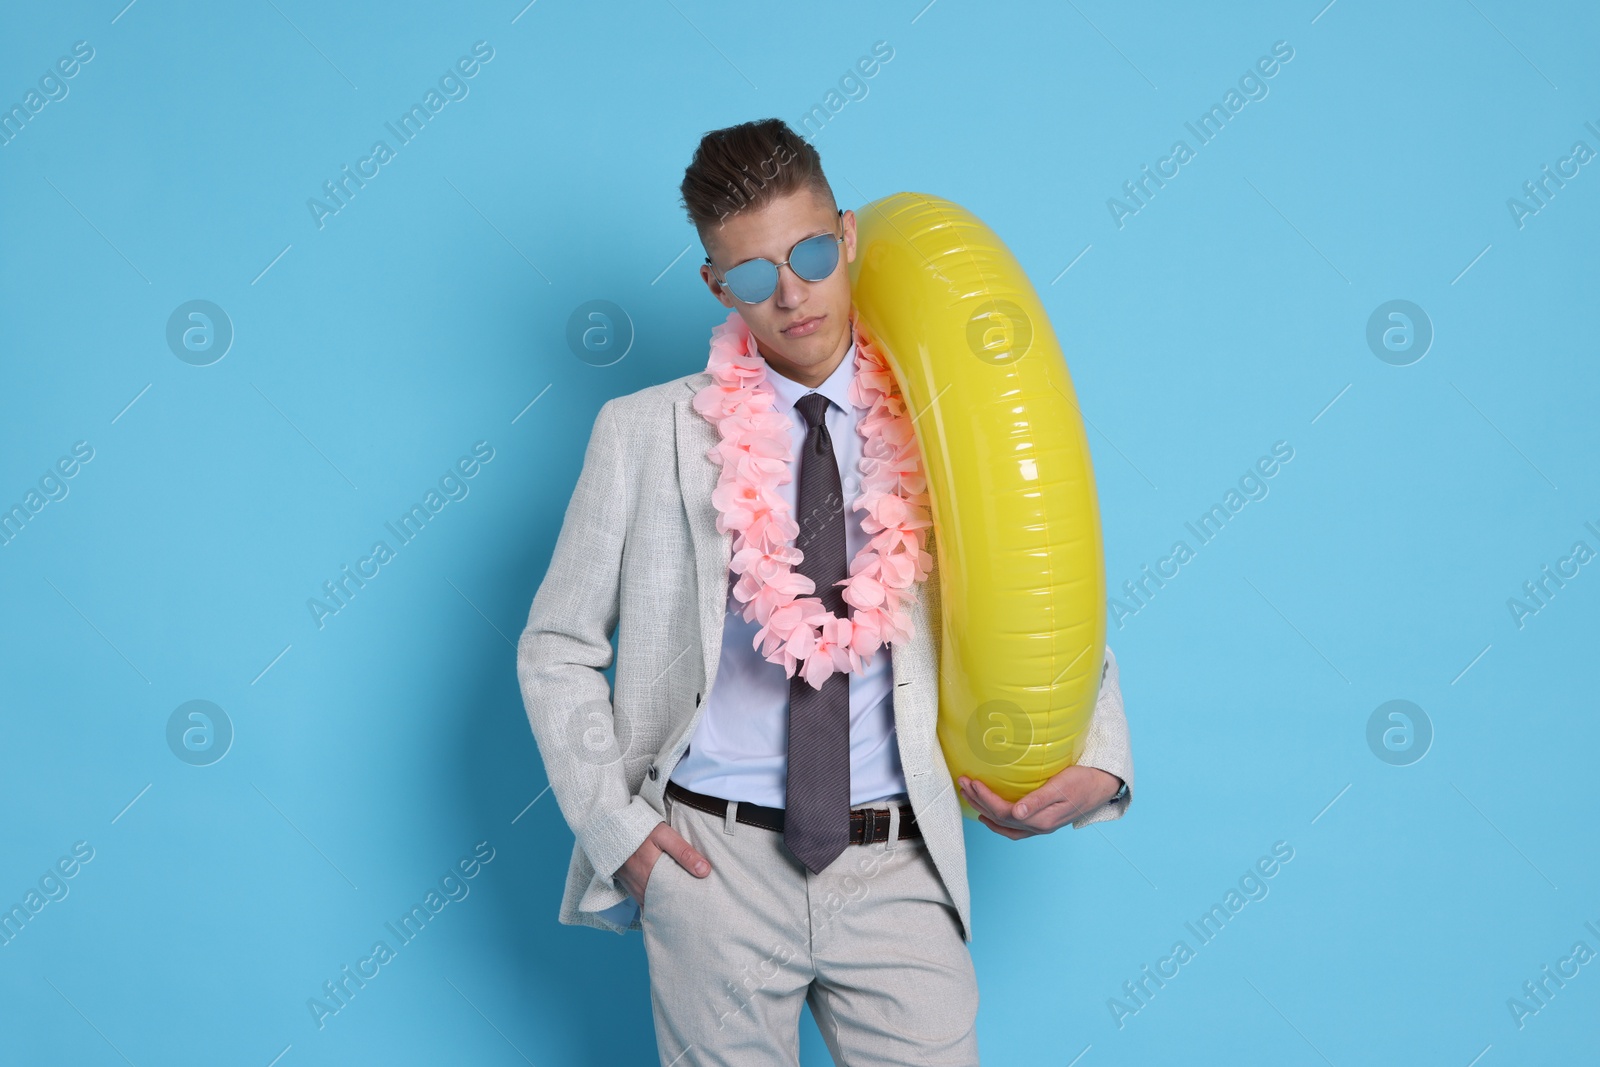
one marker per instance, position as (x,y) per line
(791,287)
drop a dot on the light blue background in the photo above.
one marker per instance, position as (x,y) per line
(1227,315)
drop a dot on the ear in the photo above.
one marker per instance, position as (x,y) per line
(715,286)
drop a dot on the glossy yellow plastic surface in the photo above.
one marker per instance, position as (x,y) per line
(1016,522)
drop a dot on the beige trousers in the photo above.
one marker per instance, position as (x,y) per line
(873,944)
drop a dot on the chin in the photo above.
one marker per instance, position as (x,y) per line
(813,348)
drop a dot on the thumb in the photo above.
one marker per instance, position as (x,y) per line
(678,847)
(1047,794)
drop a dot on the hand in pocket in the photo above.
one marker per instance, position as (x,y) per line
(635,872)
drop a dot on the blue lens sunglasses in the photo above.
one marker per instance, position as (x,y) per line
(812,259)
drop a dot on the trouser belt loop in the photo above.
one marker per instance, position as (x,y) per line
(730,816)
(894,827)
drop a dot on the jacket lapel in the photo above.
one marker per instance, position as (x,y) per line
(914,669)
(713,550)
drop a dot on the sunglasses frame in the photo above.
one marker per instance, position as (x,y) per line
(777,268)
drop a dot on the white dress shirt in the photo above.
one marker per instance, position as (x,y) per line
(739,748)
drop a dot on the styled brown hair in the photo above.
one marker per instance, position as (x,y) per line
(745,166)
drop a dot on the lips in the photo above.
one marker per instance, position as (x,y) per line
(803,327)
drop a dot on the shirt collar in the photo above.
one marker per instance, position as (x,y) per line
(836,387)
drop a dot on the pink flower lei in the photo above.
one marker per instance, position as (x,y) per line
(754,454)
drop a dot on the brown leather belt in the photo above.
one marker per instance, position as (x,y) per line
(863,830)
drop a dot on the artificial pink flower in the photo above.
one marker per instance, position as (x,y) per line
(754,453)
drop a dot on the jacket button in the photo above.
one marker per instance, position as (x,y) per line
(654,774)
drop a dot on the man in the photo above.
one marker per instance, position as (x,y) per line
(776,842)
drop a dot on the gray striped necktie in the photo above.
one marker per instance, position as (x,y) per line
(816,819)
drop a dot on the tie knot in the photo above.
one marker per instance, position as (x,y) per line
(813,406)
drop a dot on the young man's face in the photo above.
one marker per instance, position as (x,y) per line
(803,328)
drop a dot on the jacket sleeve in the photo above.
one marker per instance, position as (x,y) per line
(564,650)
(1108,748)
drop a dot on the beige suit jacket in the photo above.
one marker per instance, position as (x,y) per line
(639,553)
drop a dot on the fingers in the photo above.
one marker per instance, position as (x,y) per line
(675,845)
(1041,798)
(1005,831)
(1081,789)
(989,803)
(1040,812)
(986,800)
(1001,810)
(644,879)
(635,873)
(1048,807)
(1051,816)
(1067,796)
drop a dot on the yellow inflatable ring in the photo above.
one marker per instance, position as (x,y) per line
(1016,522)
